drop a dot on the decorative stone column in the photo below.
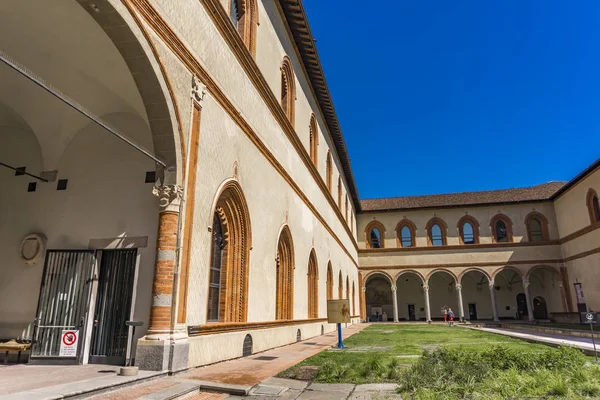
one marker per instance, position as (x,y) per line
(526,285)
(461,310)
(395,299)
(363,304)
(163,348)
(427,309)
(494,305)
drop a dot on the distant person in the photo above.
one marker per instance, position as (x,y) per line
(450,317)
(445,314)
(377,316)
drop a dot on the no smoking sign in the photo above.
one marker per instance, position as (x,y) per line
(68,343)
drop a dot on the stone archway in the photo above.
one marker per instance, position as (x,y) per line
(442,294)
(410,296)
(378,297)
(475,292)
(546,291)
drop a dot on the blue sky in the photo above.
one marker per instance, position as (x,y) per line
(448,96)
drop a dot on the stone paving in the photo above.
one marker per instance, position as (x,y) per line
(250,371)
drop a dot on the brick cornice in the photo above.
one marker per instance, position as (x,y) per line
(170,38)
(459,247)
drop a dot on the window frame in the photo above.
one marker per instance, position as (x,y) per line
(593,209)
(543,226)
(443,228)
(509,228)
(413,233)
(374,224)
(460,226)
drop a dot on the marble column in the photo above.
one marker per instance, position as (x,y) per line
(461,310)
(363,304)
(395,299)
(493,296)
(427,308)
(528,299)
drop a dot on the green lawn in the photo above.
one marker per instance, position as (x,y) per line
(577,327)
(458,363)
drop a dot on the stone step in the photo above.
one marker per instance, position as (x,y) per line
(180,391)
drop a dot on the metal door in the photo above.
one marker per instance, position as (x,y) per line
(113,307)
(62,304)
(472,312)
(411,312)
(522,305)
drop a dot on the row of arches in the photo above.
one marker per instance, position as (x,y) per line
(473,294)
(468,230)
(229,265)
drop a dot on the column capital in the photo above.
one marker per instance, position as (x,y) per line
(426,287)
(526,283)
(491,284)
(394,288)
(458,286)
(198,90)
(364,289)
(169,197)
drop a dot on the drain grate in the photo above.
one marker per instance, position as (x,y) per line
(265,358)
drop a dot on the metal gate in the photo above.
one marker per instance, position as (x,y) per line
(113,307)
(62,303)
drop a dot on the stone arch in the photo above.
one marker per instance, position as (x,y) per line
(285,276)
(369,228)
(443,227)
(474,223)
(473,269)
(382,273)
(155,89)
(313,140)
(543,221)
(329,281)
(436,270)
(288,89)
(410,271)
(507,222)
(559,281)
(231,210)
(542,267)
(313,285)
(413,232)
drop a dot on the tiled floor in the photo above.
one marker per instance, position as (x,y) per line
(250,370)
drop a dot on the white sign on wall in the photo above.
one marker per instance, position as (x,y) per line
(68,343)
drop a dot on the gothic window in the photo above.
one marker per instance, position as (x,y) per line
(406,233)
(501,229)
(313,286)
(374,232)
(537,227)
(216,258)
(436,232)
(314,140)
(340,287)
(329,172)
(593,206)
(468,230)
(329,281)
(285,276)
(288,89)
(244,16)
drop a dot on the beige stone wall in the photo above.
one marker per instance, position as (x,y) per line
(271,200)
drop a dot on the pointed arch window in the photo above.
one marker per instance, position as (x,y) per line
(314,140)
(329,172)
(593,206)
(436,232)
(230,252)
(346,208)
(374,235)
(329,281)
(501,229)
(339,198)
(537,227)
(406,233)
(244,16)
(288,89)
(468,230)
(285,276)
(313,286)
(340,286)
(347,287)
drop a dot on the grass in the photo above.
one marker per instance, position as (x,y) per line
(455,363)
(577,327)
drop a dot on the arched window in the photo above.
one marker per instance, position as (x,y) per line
(352,223)
(329,172)
(341,286)
(230,251)
(353,299)
(374,235)
(537,227)
(346,208)
(339,202)
(285,276)
(288,89)
(314,140)
(501,229)
(329,281)
(436,232)
(593,206)
(347,288)
(468,230)
(244,15)
(406,233)
(313,286)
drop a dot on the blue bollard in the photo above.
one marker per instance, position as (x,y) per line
(339,329)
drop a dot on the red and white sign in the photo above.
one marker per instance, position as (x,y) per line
(68,343)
